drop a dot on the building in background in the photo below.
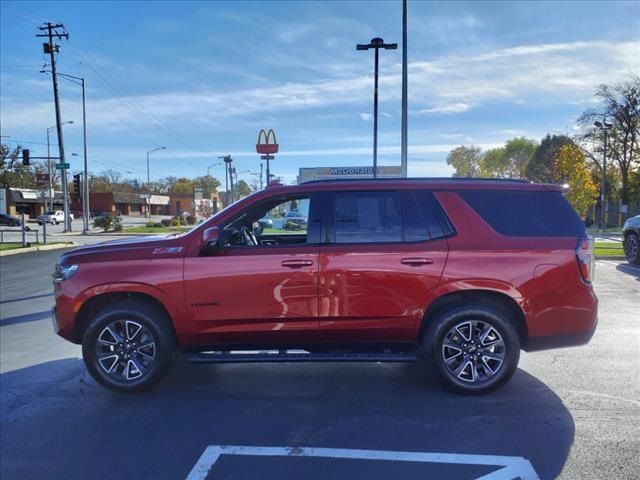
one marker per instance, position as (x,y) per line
(15,201)
(124,203)
(325,173)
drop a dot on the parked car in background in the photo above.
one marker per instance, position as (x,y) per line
(53,217)
(11,221)
(294,220)
(631,239)
(266,221)
(460,274)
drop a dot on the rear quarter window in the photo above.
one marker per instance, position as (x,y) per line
(526,214)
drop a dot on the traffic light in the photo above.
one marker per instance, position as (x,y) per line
(76,185)
(25,157)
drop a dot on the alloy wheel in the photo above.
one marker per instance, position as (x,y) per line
(125,350)
(631,248)
(473,351)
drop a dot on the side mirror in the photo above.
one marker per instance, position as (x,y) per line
(210,237)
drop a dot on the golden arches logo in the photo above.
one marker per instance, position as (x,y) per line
(267,136)
(264,146)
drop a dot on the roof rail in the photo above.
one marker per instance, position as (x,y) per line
(425,179)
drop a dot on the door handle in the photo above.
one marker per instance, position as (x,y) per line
(416,261)
(297,263)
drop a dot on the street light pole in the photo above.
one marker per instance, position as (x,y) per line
(85,188)
(404,125)
(49,166)
(149,180)
(604,126)
(376,44)
(227,177)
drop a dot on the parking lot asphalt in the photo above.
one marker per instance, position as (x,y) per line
(568,413)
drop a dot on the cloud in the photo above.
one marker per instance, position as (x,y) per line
(448,108)
(546,73)
(365,116)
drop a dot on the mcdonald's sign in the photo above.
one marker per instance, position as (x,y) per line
(265,147)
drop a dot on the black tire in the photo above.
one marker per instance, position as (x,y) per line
(487,375)
(156,329)
(54,221)
(632,248)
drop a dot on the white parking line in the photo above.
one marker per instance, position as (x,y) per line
(512,467)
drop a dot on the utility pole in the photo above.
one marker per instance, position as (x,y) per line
(404,123)
(376,44)
(57,31)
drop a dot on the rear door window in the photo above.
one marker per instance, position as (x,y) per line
(383,217)
(526,214)
(365,217)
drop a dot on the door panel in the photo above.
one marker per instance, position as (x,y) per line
(369,294)
(381,260)
(264,294)
(254,295)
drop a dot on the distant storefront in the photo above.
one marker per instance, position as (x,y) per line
(16,201)
(324,173)
(124,203)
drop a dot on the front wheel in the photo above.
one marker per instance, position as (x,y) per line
(129,346)
(632,248)
(54,222)
(472,350)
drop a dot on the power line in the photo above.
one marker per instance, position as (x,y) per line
(116,88)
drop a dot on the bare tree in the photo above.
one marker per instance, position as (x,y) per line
(619,106)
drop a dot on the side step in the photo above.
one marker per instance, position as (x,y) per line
(300,356)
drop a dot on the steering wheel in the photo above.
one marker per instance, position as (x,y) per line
(248,237)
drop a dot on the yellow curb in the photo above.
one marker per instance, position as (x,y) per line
(39,248)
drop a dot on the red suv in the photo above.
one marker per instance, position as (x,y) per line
(461,274)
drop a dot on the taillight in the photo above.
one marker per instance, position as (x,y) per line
(586,259)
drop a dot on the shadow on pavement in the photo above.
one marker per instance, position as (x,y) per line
(22,299)
(58,423)
(29,317)
(633,270)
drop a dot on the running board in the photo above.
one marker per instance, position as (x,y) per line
(298,356)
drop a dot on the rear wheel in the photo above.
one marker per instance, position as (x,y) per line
(54,221)
(129,346)
(632,248)
(472,350)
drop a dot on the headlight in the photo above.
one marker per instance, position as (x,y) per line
(63,272)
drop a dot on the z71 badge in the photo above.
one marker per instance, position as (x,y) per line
(166,250)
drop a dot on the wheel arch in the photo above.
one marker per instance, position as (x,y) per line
(96,302)
(491,298)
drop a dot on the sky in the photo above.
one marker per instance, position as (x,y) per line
(202,78)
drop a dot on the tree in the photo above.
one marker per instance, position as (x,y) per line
(570,168)
(206,183)
(13,173)
(620,106)
(465,161)
(182,186)
(493,163)
(541,166)
(242,189)
(518,152)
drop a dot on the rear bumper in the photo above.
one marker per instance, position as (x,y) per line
(560,340)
